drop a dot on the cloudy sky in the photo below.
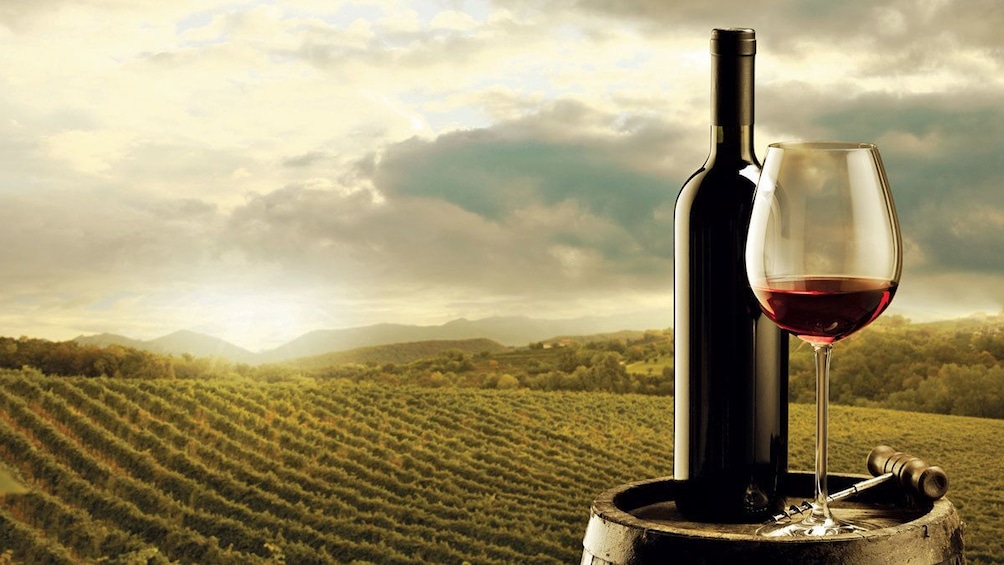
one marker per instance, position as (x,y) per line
(256,170)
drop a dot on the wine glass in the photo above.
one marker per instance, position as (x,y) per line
(823,257)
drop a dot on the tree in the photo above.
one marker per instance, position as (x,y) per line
(507,381)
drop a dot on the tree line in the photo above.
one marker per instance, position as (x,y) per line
(587,365)
(69,358)
(954,367)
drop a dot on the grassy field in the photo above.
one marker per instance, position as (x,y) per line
(132,471)
(654,366)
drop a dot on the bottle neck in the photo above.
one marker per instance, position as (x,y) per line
(732,76)
(733,142)
(732,99)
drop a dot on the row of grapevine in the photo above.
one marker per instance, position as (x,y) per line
(379,463)
(228,472)
(281,508)
(380,493)
(66,464)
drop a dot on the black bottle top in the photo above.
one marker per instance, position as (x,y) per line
(732,52)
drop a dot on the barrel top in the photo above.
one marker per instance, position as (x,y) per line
(638,523)
(649,504)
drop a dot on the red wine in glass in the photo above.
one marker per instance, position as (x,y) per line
(824,309)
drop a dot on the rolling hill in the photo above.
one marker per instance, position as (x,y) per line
(507,330)
(106,339)
(177,343)
(399,352)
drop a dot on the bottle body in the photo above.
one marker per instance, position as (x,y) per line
(730,361)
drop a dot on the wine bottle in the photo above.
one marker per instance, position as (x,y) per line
(731,362)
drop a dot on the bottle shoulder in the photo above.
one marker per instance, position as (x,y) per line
(717,182)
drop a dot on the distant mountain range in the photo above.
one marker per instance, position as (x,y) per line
(177,343)
(507,330)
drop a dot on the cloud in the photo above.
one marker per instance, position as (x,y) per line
(892,23)
(567,157)
(74,239)
(937,149)
(510,212)
(187,164)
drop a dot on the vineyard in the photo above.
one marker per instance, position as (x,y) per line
(237,471)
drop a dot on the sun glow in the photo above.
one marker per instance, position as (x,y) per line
(256,319)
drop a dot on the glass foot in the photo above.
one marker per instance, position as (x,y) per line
(812,526)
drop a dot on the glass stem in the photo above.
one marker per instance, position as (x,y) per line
(821,508)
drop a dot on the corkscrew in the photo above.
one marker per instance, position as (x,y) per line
(923,481)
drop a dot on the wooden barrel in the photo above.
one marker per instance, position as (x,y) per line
(638,524)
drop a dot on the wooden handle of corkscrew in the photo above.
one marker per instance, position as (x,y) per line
(923,480)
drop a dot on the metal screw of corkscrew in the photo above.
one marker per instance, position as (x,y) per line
(923,481)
